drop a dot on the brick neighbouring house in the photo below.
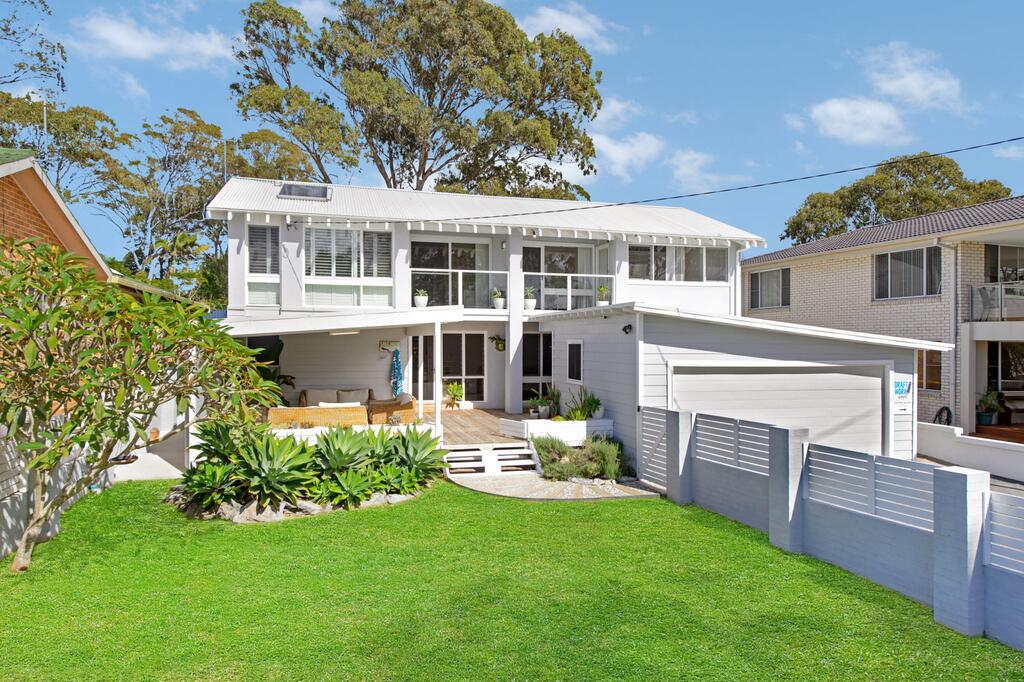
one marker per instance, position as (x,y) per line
(951,276)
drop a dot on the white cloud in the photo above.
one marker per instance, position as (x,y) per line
(690,170)
(313,10)
(859,120)
(20,90)
(627,155)
(799,147)
(794,121)
(132,88)
(687,116)
(121,37)
(171,9)
(615,113)
(906,74)
(1010,151)
(594,32)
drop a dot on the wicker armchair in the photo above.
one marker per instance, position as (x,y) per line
(382,410)
(302,417)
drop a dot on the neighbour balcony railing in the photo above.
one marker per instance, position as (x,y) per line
(468,288)
(998,301)
(569,292)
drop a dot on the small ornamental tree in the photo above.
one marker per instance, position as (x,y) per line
(84,367)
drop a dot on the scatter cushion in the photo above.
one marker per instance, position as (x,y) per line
(404,398)
(339,405)
(321,395)
(358,395)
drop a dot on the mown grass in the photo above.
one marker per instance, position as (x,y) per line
(456,585)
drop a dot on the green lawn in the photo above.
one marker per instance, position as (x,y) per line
(456,584)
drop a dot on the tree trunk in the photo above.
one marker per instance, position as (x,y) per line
(29,539)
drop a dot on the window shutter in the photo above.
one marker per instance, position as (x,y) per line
(882,275)
(377,254)
(933,271)
(274,246)
(785,287)
(257,249)
(755,285)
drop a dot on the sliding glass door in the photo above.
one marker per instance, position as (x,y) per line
(462,361)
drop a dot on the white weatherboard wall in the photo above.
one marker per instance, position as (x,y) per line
(949,444)
(675,345)
(609,367)
(935,534)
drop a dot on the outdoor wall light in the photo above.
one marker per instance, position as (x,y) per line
(504,244)
(627,329)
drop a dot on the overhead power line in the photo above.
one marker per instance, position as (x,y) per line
(738,188)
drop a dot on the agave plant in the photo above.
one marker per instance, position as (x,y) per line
(380,446)
(389,478)
(322,491)
(341,449)
(274,470)
(352,487)
(217,442)
(210,484)
(418,451)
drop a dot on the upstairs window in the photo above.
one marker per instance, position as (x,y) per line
(347,253)
(264,250)
(910,273)
(1004,263)
(769,289)
(679,263)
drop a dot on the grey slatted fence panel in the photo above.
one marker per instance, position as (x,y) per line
(652,460)
(903,491)
(839,477)
(734,442)
(1005,542)
(752,446)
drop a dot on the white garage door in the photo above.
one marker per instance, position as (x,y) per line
(842,406)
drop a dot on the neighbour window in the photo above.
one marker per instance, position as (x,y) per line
(1004,263)
(574,368)
(264,250)
(929,370)
(769,289)
(679,263)
(904,274)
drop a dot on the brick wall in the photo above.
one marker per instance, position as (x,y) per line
(837,291)
(19,219)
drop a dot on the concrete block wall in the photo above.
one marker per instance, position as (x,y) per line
(944,568)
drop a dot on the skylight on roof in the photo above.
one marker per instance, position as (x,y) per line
(292,190)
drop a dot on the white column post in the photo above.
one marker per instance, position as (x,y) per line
(958,596)
(438,392)
(514,331)
(419,374)
(401,283)
(964,415)
(619,253)
(785,472)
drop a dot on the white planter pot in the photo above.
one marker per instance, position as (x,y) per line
(499,303)
(529,303)
(599,413)
(544,411)
(420,301)
(602,303)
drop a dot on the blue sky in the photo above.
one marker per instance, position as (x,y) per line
(697,95)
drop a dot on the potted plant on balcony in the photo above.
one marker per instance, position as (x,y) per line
(529,298)
(989,406)
(603,294)
(498,298)
(420,298)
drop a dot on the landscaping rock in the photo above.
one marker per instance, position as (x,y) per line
(177,496)
(228,510)
(269,514)
(246,514)
(194,510)
(376,500)
(396,499)
(307,507)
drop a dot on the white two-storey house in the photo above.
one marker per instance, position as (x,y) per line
(507,296)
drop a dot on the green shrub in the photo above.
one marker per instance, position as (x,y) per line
(380,446)
(598,458)
(607,454)
(581,406)
(211,483)
(341,449)
(418,452)
(272,470)
(352,487)
(550,449)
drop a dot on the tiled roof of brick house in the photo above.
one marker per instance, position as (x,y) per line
(940,222)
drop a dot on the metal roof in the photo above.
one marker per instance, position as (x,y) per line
(346,202)
(930,224)
(747,323)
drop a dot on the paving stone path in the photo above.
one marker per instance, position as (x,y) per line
(530,486)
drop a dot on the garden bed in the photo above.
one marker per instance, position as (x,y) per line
(572,432)
(596,460)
